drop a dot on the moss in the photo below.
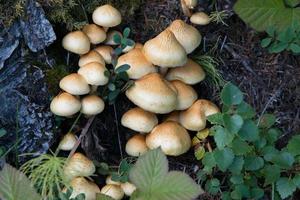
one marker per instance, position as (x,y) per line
(53,76)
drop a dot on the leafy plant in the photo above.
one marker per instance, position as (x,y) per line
(245,155)
(153,181)
(67,195)
(218,17)
(100,196)
(123,172)
(14,185)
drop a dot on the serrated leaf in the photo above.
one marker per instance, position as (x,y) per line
(231,94)
(283,159)
(271,173)
(100,196)
(212,186)
(209,160)
(285,187)
(240,147)
(253,163)
(233,123)
(222,137)
(266,42)
(294,145)
(249,131)
(223,158)
(216,119)
(245,110)
(237,165)
(14,185)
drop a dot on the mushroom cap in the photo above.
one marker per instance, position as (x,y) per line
(108,180)
(188,36)
(93,73)
(91,56)
(173,139)
(68,142)
(79,165)
(114,191)
(191,73)
(194,118)
(165,51)
(65,105)
(146,120)
(81,185)
(173,116)
(74,84)
(128,48)
(191,3)
(139,65)
(153,93)
(136,145)
(200,18)
(92,105)
(110,37)
(95,33)
(186,95)
(76,42)
(105,52)
(128,188)
(107,16)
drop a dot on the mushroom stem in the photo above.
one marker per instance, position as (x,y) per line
(186,11)
(209,146)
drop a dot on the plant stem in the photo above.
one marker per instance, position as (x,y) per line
(117,125)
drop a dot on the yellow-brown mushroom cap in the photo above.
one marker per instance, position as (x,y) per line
(74,84)
(91,56)
(188,36)
(191,73)
(153,93)
(95,33)
(80,185)
(165,51)
(191,3)
(139,65)
(76,42)
(128,188)
(108,180)
(92,105)
(194,118)
(93,73)
(107,16)
(200,18)
(65,105)
(114,191)
(68,142)
(171,137)
(136,145)
(106,52)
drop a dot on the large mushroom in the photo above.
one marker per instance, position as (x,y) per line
(153,93)
(95,33)
(65,105)
(74,84)
(93,73)
(76,42)
(114,191)
(107,16)
(91,56)
(165,51)
(136,145)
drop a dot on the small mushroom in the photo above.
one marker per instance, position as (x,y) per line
(82,186)
(194,118)
(191,73)
(106,52)
(106,16)
(76,42)
(191,4)
(139,65)
(110,181)
(95,33)
(93,73)
(200,18)
(128,188)
(153,93)
(79,165)
(172,138)
(146,120)
(186,95)
(110,37)
(165,51)
(188,36)
(92,105)
(136,145)
(114,191)
(68,142)
(91,56)
(74,84)
(65,105)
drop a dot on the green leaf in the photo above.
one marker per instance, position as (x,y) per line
(117,51)
(100,196)
(212,186)
(122,68)
(272,135)
(2,132)
(278,47)
(257,193)
(292,3)
(113,95)
(296,180)
(222,137)
(267,120)
(237,165)
(237,179)
(245,110)
(271,174)
(285,187)
(233,123)
(268,13)
(283,159)
(199,152)
(216,119)
(240,191)
(266,42)
(295,48)
(249,131)
(253,163)
(106,73)
(117,38)
(269,152)
(231,94)
(209,160)
(111,86)
(223,158)
(259,144)
(294,145)
(240,147)
(14,185)
(126,32)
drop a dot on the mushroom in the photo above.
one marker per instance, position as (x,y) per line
(82,186)
(186,95)
(153,93)
(200,18)
(93,73)
(165,51)
(191,4)
(188,36)
(105,52)
(107,16)
(136,145)
(110,37)
(76,42)
(68,142)
(74,84)
(128,48)
(92,105)
(91,56)
(172,138)
(173,116)
(110,181)
(79,165)
(191,73)
(194,118)
(139,65)
(65,105)
(146,120)
(114,191)
(95,33)
(138,45)
(128,188)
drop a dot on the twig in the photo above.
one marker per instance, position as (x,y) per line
(118,132)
